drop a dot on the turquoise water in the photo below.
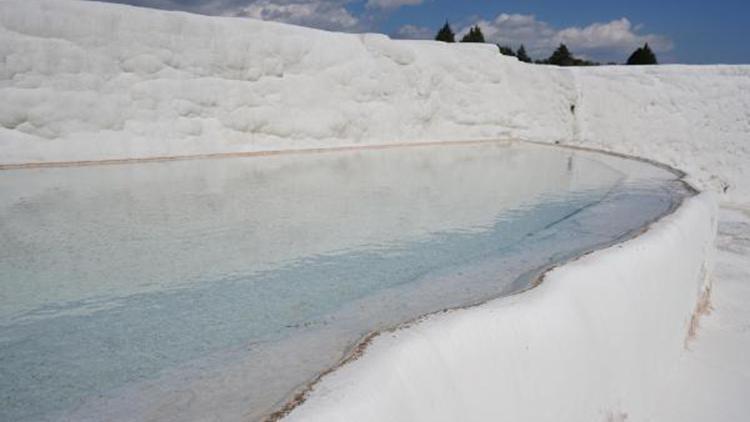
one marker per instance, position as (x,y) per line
(214,288)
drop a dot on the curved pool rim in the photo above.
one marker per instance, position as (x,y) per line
(360,348)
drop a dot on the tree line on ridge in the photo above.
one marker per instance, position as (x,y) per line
(562,56)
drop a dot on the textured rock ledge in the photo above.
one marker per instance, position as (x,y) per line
(593,342)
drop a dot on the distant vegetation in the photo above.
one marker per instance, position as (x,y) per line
(562,56)
(643,55)
(521,54)
(446,34)
(474,35)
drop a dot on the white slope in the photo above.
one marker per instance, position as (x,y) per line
(85,81)
(696,118)
(712,379)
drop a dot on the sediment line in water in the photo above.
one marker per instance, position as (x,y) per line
(261,153)
(321,150)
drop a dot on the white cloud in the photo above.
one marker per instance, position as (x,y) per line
(610,41)
(414,32)
(391,4)
(316,13)
(616,36)
(324,14)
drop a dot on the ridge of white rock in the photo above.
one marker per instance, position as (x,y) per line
(127,82)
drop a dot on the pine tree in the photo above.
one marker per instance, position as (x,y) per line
(446,34)
(642,56)
(522,56)
(474,35)
(562,57)
(506,51)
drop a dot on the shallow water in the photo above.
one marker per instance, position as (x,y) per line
(211,289)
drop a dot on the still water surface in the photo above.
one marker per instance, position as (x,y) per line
(212,289)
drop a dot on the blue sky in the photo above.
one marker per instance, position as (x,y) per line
(684,31)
